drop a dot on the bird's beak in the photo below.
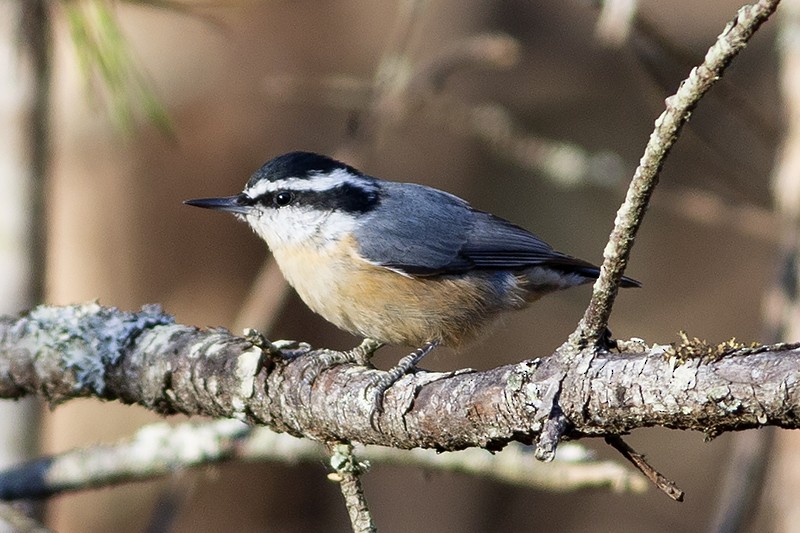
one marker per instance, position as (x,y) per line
(233,204)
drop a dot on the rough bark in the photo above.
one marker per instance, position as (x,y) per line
(61,353)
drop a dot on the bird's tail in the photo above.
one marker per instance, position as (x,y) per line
(561,273)
(592,272)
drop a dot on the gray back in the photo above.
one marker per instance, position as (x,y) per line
(424,231)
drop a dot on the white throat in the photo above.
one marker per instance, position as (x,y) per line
(300,226)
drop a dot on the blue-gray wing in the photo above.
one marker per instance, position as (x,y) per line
(422,231)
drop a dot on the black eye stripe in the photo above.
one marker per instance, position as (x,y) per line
(345,197)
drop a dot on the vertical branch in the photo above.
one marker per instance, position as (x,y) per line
(667,128)
(348,474)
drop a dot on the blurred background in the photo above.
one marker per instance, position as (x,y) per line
(536,111)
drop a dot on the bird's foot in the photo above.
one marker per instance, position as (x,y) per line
(607,341)
(281,349)
(359,355)
(326,359)
(385,380)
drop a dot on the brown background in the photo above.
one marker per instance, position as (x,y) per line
(120,234)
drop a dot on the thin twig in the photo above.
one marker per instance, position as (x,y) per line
(667,128)
(347,472)
(160,449)
(638,460)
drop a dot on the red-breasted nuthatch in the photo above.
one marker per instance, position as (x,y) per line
(397,263)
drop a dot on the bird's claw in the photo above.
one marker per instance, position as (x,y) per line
(326,359)
(385,380)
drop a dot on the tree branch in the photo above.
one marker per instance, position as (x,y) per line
(638,460)
(731,41)
(62,353)
(347,472)
(161,449)
(573,359)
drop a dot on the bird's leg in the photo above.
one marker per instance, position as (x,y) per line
(393,375)
(606,340)
(362,353)
(281,349)
(359,355)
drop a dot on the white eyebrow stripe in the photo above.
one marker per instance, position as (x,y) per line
(320,182)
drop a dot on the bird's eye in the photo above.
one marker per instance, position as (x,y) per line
(283,198)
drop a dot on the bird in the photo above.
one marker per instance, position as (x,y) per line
(395,263)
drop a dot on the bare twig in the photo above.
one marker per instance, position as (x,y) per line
(565,164)
(664,60)
(156,450)
(347,472)
(638,460)
(667,127)
(160,449)
(574,467)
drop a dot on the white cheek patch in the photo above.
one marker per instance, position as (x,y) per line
(338,225)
